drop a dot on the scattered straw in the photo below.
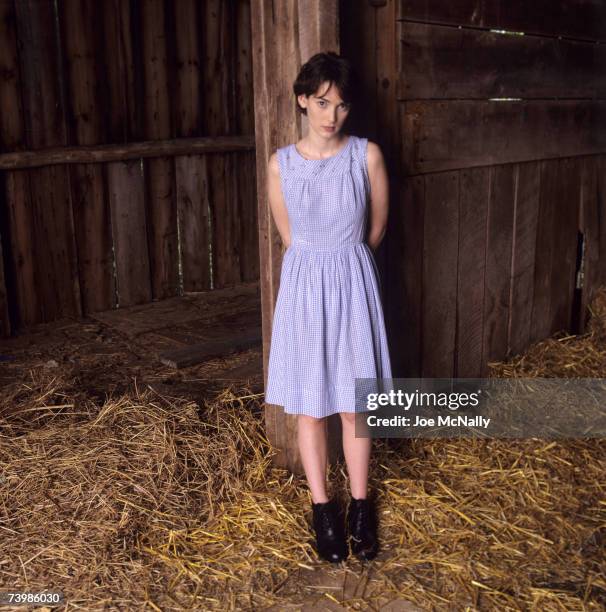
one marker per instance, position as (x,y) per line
(155,502)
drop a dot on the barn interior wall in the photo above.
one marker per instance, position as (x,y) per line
(86,237)
(492,116)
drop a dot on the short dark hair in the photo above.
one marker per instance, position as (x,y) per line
(324,67)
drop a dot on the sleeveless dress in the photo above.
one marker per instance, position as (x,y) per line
(328,325)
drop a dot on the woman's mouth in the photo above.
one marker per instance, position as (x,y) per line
(328,128)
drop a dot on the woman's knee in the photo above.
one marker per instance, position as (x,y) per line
(348,418)
(311,421)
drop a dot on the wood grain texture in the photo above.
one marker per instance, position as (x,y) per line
(194,221)
(525,219)
(85,115)
(40,63)
(403,308)
(584,19)
(123,152)
(497,279)
(440,247)
(160,197)
(589,226)
(545,238)
(129,226)
(120,95)
(566,239)
(447,62)
(471,273)
(19,283)
(445,135)
(186,102)
(601,205)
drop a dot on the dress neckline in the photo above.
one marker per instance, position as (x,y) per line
(324,159)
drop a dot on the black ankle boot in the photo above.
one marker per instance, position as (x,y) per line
(330,536)
(362,525)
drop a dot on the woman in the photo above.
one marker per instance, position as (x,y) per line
(328,194)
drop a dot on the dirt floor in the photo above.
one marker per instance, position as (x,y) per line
(484,525)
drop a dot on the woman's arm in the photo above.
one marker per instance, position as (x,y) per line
(379,195)
(276,200)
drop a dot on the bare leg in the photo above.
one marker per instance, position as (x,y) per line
(311,434)
(357,456)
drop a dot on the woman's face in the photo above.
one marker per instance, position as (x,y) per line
(325,110)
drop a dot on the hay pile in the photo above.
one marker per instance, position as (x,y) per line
(155,502)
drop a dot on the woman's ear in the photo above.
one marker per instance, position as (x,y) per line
(302,100)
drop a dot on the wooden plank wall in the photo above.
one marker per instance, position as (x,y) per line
(85,237)
(501,139)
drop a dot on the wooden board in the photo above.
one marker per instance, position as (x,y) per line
(198,353)
(92,222)
(225,220)
(569,18)
(17,232)
(404,281)
(120,76)
(126,198)
(439,135)
(525,213)
(546,231)
(193,212)
(5,323)
(187,81)
(247,212)
(446,62)
(471,270)
(55,262)
(601,205)
(440,246)
(497,280)
(566,240)
(160,197)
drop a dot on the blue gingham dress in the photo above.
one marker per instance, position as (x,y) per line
(328,326)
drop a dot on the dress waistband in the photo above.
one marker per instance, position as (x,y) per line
(300,245)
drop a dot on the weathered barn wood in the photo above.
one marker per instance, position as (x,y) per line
(440,244)
(473,63)
(135,111)
(92,221)
(471,269)
(120,152)
(160,197)
(52,230)
(448,135)
(585,19)
(516,121)
(16,212)
(526,216)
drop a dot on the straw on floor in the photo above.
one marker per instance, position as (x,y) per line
(156,502)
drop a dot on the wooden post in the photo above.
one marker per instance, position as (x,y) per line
(285,35)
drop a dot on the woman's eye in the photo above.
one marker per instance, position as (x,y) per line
(322,103)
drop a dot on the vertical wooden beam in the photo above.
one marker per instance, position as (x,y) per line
(284,36)
(52,233)
(160,197)
(79,26)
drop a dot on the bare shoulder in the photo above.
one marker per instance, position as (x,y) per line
(274,166)
(374,155)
